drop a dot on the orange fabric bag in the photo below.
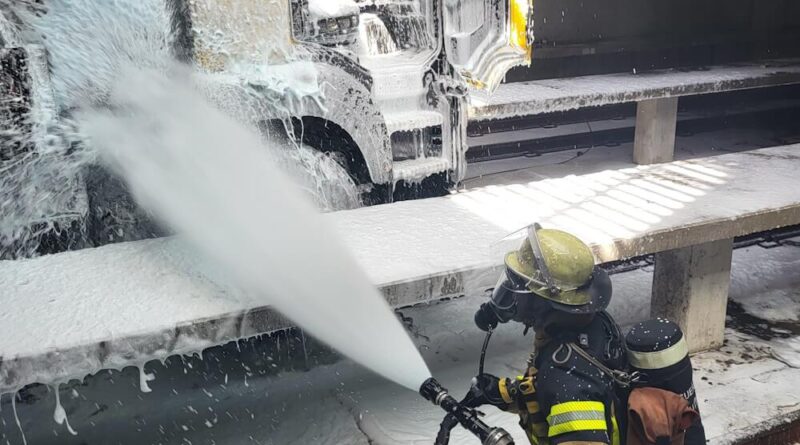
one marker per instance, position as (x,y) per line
(658,417)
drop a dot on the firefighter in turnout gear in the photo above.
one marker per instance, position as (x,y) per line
(570,393)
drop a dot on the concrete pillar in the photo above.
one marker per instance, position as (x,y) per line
(656,120)
(690,287)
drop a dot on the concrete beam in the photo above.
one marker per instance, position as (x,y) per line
(554,95)
(656,121)
(690,287)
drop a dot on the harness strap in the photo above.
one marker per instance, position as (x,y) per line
(621,378)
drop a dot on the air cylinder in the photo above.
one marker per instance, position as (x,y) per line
(657,349)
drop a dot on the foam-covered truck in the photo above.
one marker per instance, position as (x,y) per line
(378,85)
(393,74)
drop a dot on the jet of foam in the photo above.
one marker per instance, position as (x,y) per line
(212,180)
(89,40)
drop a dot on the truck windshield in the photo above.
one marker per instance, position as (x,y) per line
(368,27)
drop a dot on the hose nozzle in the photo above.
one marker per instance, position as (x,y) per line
(437,394)
(433,391)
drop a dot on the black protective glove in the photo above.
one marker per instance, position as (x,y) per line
(485,390)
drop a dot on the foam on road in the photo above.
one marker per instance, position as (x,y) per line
(345,404)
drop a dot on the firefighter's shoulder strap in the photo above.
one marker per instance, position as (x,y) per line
(621,378)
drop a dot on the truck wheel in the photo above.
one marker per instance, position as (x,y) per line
(323,175)
(327,137)
(327,164)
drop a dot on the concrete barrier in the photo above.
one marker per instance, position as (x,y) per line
(656,94)
(71,314)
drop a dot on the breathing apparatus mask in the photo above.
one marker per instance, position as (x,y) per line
(502,307)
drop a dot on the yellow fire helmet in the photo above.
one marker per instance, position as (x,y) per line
(557,266)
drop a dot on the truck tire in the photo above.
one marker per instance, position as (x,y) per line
(329,138)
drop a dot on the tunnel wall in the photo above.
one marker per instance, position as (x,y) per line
(579,37)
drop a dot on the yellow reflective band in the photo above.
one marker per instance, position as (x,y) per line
(504,391)
(575,415)
(659,359)
(569,417)
(569,407)
(577,425)
(533,407)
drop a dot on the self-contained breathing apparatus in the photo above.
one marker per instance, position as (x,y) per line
(533,285)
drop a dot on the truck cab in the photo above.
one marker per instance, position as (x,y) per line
(392,75)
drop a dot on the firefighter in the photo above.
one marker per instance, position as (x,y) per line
(570,393)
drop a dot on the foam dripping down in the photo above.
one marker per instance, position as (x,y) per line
(213,181)
(60,415)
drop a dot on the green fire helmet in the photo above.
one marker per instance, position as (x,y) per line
(557,266)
